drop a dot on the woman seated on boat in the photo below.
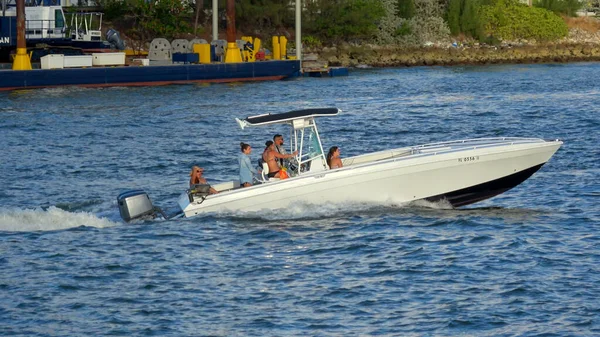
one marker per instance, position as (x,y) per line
(197,178)
(270,156)
(246,169)
(333,158)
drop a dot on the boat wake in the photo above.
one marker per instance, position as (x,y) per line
(306,211)
(53,218)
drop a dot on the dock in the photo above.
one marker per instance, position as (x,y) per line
(313,67)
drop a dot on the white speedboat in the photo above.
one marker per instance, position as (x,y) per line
(461,172)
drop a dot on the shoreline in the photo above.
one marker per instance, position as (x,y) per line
(392,56)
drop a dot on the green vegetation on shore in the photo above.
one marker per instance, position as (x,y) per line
(511,21)
(409,23)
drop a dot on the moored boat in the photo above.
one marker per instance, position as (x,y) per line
(149,75)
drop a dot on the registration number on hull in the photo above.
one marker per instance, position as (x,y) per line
(468,159)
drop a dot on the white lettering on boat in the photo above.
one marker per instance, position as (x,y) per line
(4,39)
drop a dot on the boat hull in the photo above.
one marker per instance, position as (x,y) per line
(461,176)
(485,190)
(149,75)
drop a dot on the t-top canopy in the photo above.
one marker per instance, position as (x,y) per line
(285,117)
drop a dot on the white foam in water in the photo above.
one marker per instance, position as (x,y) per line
(312,211)
(440,204)
(300,211)
(29,220)
(61,91)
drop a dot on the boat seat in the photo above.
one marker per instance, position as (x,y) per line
(265,172)
(229,185)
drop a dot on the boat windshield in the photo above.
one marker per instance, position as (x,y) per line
(310,149)
(304,137)
(313,148)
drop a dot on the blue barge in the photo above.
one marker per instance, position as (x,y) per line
(148,75)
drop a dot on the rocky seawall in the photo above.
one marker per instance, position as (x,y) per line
(392,56)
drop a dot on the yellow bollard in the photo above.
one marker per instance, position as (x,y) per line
(276,50)
(203,51)
(232,53)
(256,49)
(22,60)
(283,47)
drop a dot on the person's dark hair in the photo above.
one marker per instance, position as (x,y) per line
(276,136)
(244,146)
(330,154)
(268,143)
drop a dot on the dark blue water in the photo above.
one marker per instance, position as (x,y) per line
(525,263)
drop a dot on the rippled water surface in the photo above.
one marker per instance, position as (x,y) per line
(524,263)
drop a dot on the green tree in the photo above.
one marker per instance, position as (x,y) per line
(342,19)
(511,20)
(165,18)
(389,24)
(453,16)
(114,9)
(566,7)
(463,17)
(406,9)
(427,25)
(469,19)
(264,14)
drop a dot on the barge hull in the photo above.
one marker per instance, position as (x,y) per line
(148,75)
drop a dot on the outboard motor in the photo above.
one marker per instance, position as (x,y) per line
(136,204)
(114,38)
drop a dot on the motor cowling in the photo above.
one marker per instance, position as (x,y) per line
(135,204)
(115,40)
